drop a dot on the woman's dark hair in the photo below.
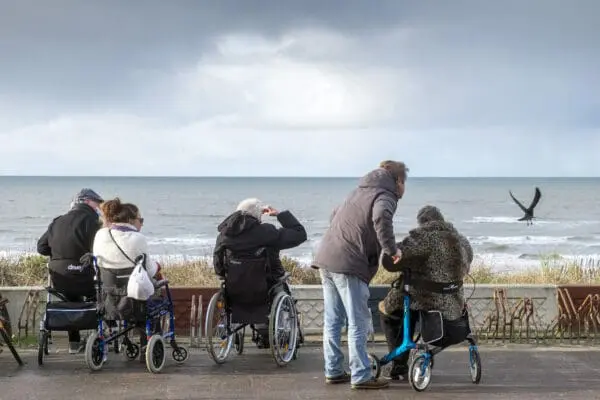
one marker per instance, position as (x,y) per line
(115,211)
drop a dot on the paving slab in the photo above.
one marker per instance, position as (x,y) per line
(509,372)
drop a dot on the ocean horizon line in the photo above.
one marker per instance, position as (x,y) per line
(411,177)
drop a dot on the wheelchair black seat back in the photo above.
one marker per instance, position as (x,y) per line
(113,304)
(246,290)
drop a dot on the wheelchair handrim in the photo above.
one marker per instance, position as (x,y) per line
(290,347)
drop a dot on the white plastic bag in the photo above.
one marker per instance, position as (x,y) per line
(140,286)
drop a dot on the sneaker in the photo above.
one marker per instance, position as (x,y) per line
(371,384)
(333,380)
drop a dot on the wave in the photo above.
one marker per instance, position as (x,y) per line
(182,240)
(508,240)
(515,220)
(503,262)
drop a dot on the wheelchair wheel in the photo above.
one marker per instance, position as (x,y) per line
(474,365)
(218,343)
(155,354)
(419,372)
(132,351)
(283,329)
(180,354)
(239,340)
(42,346)
(94,352)
(375,365)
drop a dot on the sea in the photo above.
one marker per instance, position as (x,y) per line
(182,214)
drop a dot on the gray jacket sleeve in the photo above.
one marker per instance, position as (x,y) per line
(384,209)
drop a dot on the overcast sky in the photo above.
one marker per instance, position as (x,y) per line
(310,88)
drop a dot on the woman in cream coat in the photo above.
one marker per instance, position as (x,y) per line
(117,247)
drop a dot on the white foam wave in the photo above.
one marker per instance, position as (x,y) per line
(182,240)
(515,220)
(502,262)
(505,220)
(518,240)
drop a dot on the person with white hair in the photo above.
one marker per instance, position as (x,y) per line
(243,235)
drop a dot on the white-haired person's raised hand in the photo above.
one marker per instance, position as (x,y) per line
(270,211)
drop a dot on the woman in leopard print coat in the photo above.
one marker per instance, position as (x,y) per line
(434,251)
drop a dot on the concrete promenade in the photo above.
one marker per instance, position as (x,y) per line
(509,372)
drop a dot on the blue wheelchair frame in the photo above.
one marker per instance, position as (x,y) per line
(427,353)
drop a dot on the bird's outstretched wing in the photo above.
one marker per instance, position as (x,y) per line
(536,198)
(521,206)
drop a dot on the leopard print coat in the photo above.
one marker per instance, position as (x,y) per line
(437,252)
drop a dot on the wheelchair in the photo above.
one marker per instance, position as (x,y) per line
(62,315)
(153,318)
(426,346)
(245,300)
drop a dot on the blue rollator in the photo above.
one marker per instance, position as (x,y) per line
(424,348)
(155,320)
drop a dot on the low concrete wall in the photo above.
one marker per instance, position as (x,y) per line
(487,303)
(17,296)
(483,303)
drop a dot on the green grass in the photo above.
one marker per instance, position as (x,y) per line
(30,270)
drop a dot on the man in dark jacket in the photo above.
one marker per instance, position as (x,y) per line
(347,257)
(242,235)
(66,240)
(439,258)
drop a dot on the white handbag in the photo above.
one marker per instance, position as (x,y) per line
(140,286)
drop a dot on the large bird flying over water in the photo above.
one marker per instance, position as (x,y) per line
(528,211)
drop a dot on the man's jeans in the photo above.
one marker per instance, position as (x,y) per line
(346,297)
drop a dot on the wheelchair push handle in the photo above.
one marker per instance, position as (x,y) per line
(161,283)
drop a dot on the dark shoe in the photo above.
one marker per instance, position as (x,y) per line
(396,373)
(334,380)
(371,384)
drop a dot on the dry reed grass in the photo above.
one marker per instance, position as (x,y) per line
(30,270)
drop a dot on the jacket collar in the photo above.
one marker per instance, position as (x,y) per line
(123,227)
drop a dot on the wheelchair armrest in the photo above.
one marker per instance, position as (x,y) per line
(161,283)
(56,293)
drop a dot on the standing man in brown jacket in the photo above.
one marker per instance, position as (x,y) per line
(360,229)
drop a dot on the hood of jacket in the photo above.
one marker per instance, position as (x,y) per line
(379,179)
(237,223)
(437,226)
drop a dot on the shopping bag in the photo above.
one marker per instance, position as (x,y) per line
(140,286)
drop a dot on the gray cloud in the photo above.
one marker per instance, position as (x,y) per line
(192,69)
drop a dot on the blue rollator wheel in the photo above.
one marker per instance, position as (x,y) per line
(419,372)
(474,365)
(375,365)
